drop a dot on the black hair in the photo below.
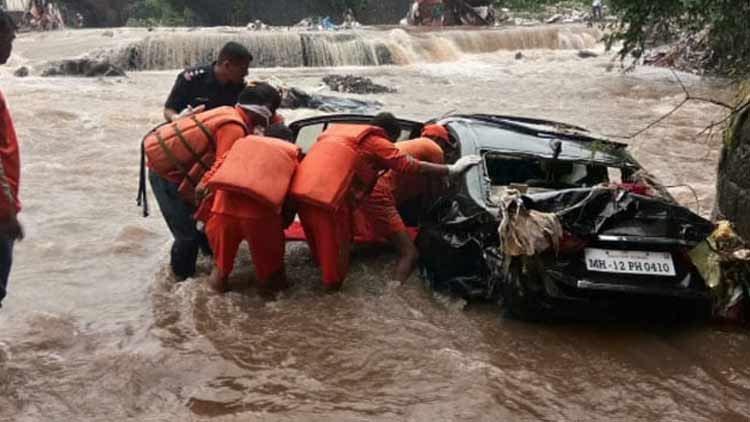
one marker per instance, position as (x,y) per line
(280,131)
(260,93)
(235,53)
(7,25)
(389,123)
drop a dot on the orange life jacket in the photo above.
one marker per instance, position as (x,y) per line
(423,149)
(408,186)
(259,167)
(186,148)
(327,172)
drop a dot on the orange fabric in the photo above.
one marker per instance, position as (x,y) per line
(11,162)
(409,186)
(265,237)
(326,174)
(329,236)
(378,213)
(258,167)
(437,131)
(377,154)
(159,160)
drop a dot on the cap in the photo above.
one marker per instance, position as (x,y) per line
(437,131)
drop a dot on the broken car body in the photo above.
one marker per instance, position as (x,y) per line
(607,231)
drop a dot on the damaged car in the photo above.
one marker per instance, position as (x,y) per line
(552,220)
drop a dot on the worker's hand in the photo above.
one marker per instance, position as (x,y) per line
(11,228)
(464,164)
(189,111)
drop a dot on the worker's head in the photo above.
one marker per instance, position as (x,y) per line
(259,101)
(233,62)
(280,131)
(7,35)
(439,134)
(389,123)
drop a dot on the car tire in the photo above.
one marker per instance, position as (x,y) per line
(522,300)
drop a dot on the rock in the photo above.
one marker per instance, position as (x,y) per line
(22,72)
(355,84)
(586,54)
(109,34)
(519,55)
(83,67)
(554,19)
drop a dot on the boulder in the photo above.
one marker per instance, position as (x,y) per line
(83,67)
(586,54)
(355,85)
(22,72)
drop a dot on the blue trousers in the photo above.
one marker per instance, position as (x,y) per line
(179,217)
(6,259)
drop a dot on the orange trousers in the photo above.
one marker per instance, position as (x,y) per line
(264,236)
(329,235)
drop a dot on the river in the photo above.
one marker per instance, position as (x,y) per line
(95,329)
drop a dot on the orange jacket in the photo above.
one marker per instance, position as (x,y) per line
(256,169)
(409,186)
(11,164)
(346,162)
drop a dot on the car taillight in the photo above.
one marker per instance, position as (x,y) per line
(571,244)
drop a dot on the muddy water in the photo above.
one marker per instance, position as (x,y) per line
(95,329)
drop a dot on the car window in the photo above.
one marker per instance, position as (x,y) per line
(534,174)
(308,135)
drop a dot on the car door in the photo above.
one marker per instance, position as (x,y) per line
(307,131)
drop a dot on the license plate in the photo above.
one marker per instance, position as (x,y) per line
(630,262)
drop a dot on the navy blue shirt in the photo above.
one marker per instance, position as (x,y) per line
(198,85)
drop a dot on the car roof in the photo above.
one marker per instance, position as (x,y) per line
(510,134)
(535,137)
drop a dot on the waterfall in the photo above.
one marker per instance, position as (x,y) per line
(368,47)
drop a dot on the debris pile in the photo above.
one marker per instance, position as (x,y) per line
(690,53)
(355,85)
(723,260)
(294,98)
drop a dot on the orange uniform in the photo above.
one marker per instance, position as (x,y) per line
(378,213)
(236,217)
(329,233)
(11,164)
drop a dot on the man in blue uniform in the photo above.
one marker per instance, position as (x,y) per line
(210,86)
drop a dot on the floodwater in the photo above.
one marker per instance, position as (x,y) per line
(94,328)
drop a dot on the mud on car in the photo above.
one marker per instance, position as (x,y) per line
(612,235)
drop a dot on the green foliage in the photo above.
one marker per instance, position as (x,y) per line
(355,5)
(160,13)
(537,5)
(646,23)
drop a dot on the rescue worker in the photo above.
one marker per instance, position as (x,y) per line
(251,183)
(341,168)
(380,209)
(10,229)
(181,152)
(209,86)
